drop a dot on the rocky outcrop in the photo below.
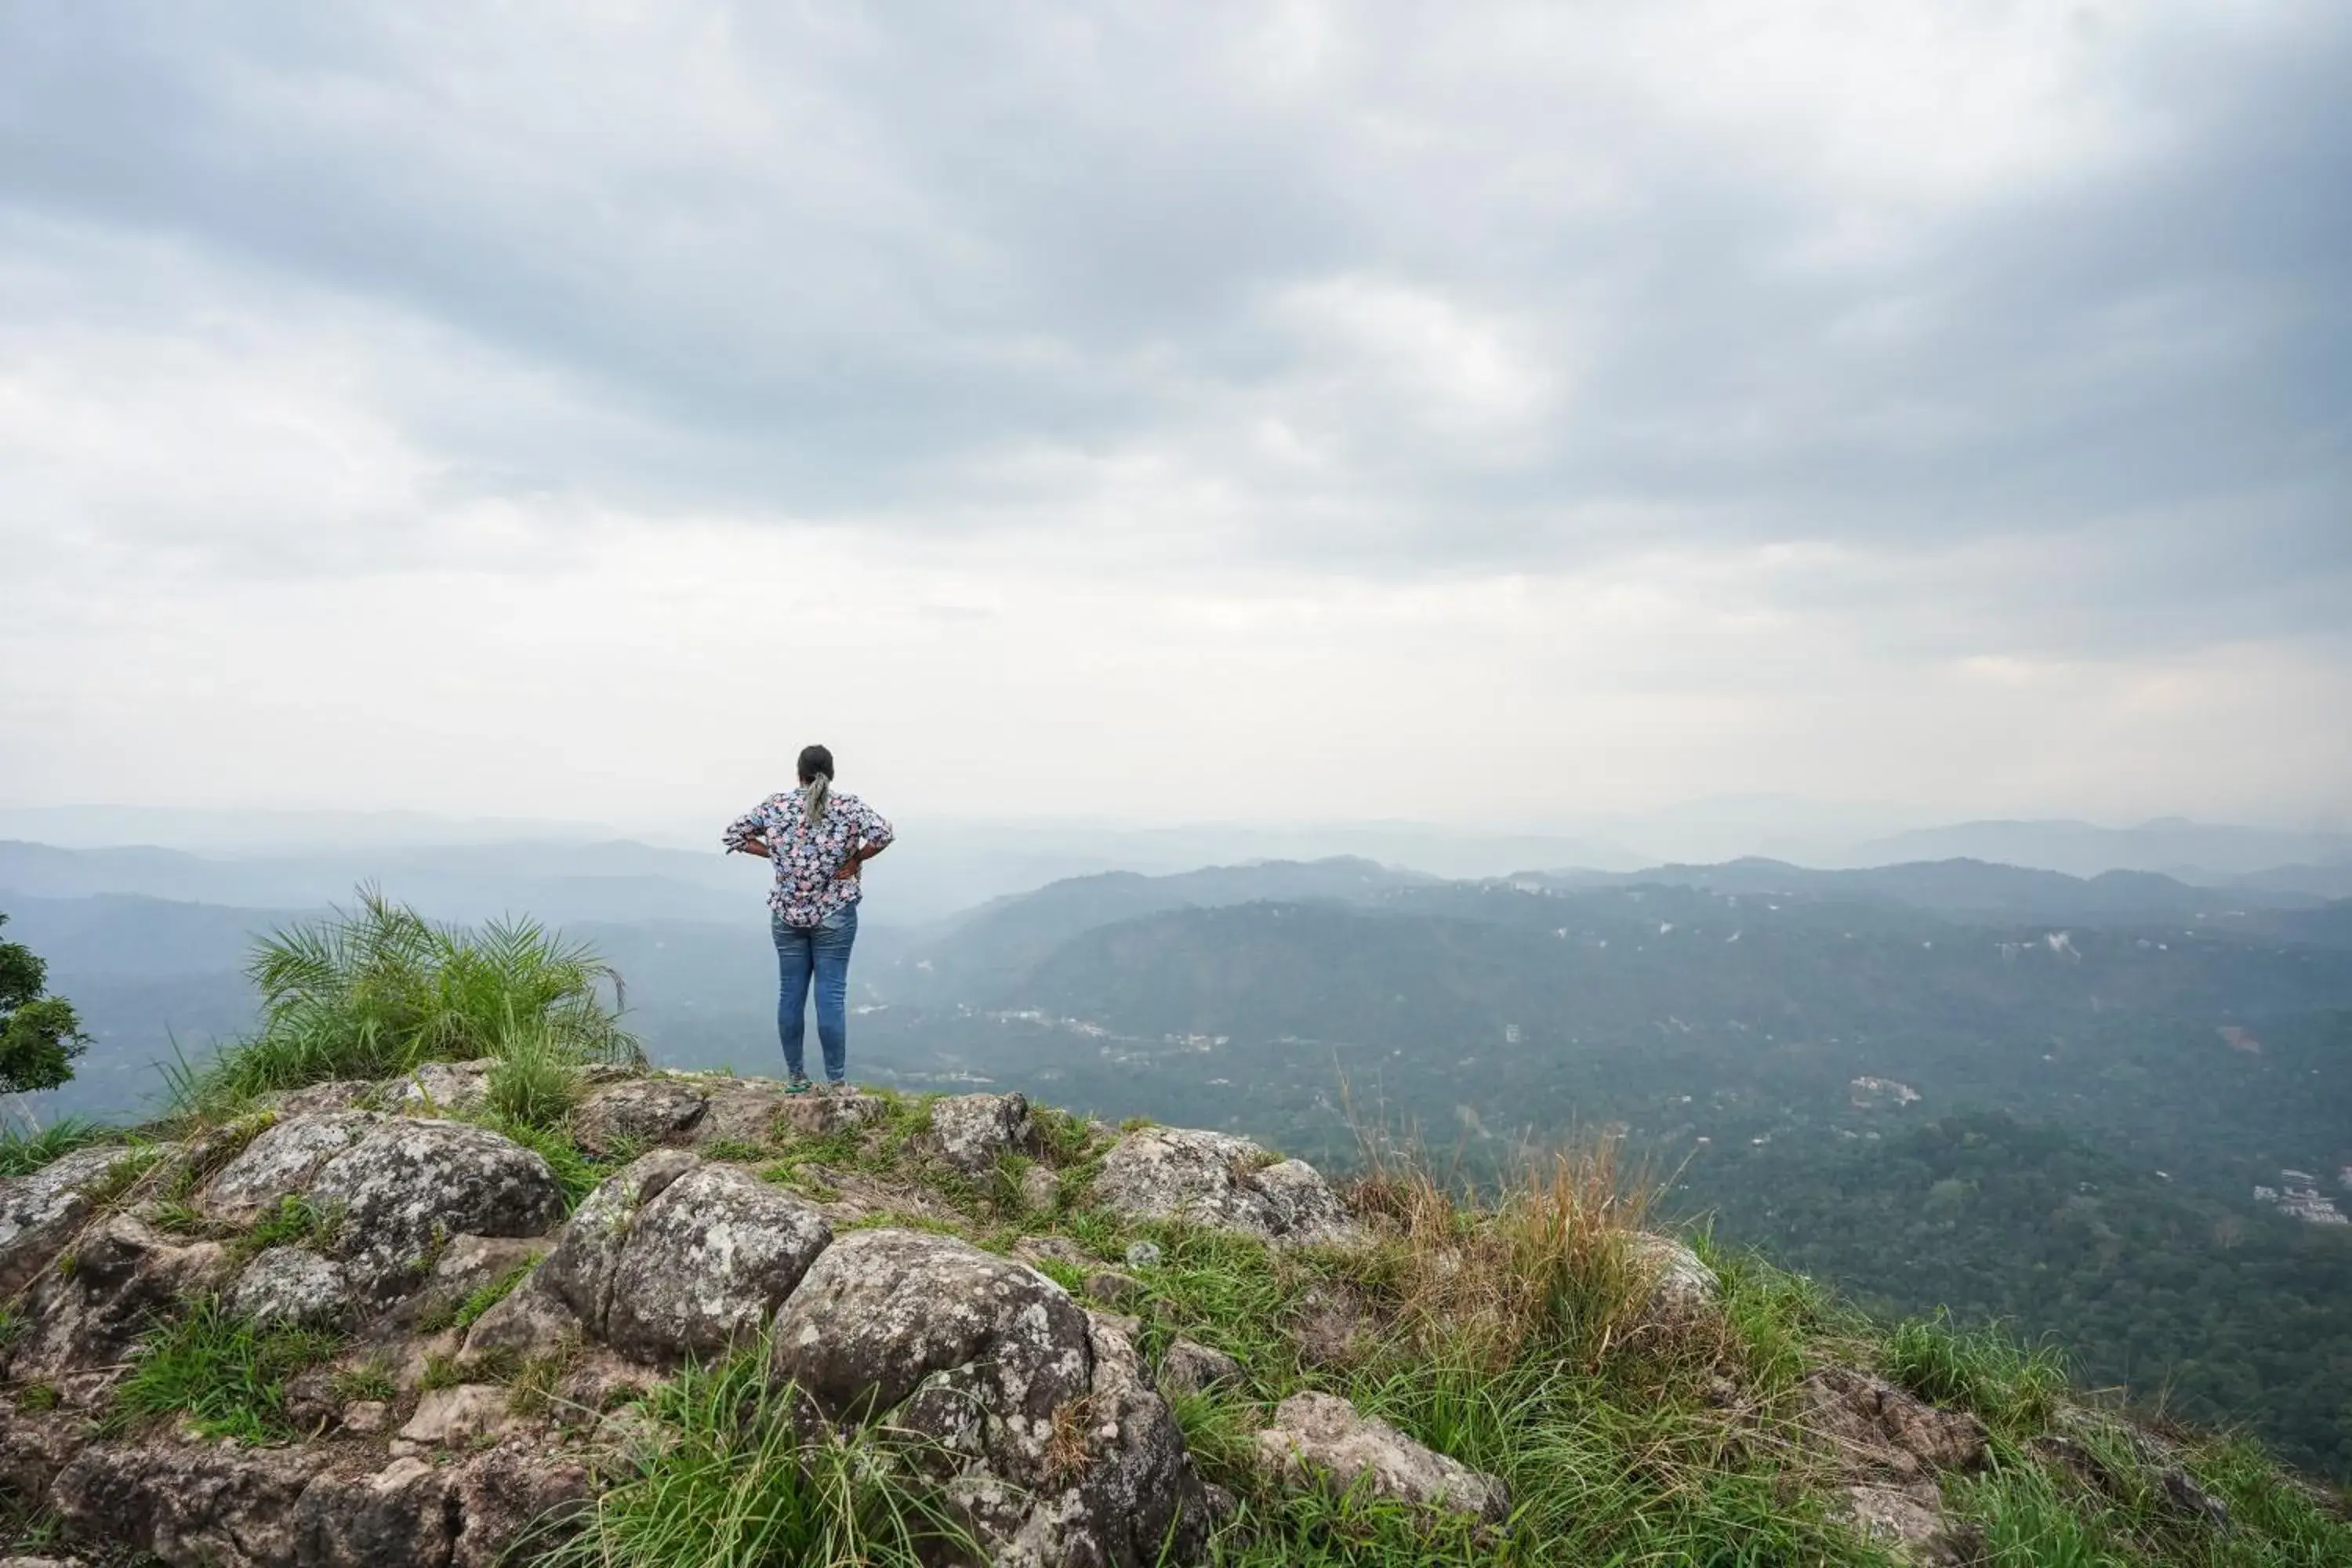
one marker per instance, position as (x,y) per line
(490,1355)
(412,1183)
(1320,1439)
(1889,1446)
(675,1257)
(1039,1417)
(124,1273)
(218,1506)
(39,1211)
(1225,1182)
(970,1131)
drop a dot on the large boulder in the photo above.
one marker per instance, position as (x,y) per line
(1041,1419)
(675,1257)
(283,1159)
(1320,1439)
(970,1131)
(39,1210)
(412,1182)
(1225,1182)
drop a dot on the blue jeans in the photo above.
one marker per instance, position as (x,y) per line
(820,951)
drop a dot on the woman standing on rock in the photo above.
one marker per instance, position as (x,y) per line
(817,836)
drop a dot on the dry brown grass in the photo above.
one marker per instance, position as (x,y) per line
(1544,1256)
(1069,1446)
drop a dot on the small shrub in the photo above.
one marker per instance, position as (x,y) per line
(1062,1138)
(531,1390)
(735,1150)
(177,1216)
(221,1372)
(2027,1522)
(441,1372)
(575,1173)
(380,990)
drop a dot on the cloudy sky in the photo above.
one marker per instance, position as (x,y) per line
(1464,413)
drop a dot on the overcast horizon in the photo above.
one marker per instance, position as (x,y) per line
(1482,417)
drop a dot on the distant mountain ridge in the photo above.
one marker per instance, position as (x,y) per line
(1961,887)
(2192,851)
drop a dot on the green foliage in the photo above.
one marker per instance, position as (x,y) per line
(732,1482)
(2012,1387)
(21,1154)
(381,990)
(2211,1306)
(220,1371)
(40,1035)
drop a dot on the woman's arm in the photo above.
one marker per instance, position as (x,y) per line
(747,832)
(857,858)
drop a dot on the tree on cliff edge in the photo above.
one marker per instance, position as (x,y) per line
(40,1035)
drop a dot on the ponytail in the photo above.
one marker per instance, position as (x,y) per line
(816,782)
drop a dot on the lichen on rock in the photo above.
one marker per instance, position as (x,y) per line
(1224,1183)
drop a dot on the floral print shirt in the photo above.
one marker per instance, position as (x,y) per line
(807,858)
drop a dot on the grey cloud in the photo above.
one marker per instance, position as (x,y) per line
(857,265)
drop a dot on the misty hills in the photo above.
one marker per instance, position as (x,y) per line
(1968,888)
(558,882)
(2208,853)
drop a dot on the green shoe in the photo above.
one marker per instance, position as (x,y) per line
(798,1084)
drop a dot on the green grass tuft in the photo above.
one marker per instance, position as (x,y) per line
(295,1221)
(22,1154)
(220,1371)
(731,1481)
(2012,1387)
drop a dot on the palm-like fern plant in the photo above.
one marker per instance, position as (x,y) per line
(381,989)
